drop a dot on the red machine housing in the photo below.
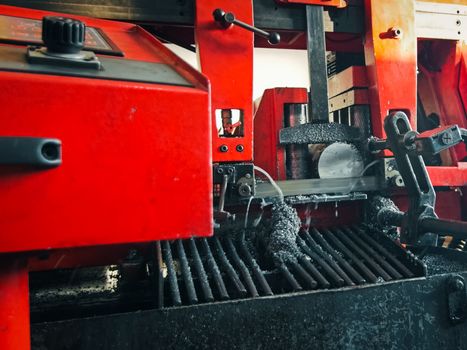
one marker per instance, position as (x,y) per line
(136,156)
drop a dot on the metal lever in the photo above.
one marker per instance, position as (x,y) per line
(227,19)
(407,146)
(35,151)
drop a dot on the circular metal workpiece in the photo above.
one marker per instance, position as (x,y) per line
(340,160)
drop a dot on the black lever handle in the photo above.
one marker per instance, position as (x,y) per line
(34,151)
(227,19)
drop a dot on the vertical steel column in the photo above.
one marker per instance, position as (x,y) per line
(316,46)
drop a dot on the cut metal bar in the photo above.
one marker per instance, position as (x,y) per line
(390,270)
(371,263)
(186,273)
(290,278)
(334,276)
(402,268)
(242,267)
(304,275)
(323,282)
(203,278)
(214,270)
(256,270)
(318,186)
(341,261)
(369,276)
(172,275)
(313,245)
(228,268)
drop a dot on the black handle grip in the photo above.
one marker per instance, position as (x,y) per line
(35,151)
(227,19)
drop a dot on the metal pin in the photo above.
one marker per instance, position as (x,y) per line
(186,273)
(203,278)
(228,268)
(243,269)
(174,291)
(214,269)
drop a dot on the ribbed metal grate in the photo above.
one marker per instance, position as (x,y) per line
(222,268)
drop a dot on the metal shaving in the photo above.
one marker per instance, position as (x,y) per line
(282,239)
(319,133)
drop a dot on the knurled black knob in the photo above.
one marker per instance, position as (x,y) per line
(63,35)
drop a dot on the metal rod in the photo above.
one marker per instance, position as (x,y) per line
(256,270)
(289,277)
(319,250)
(172,275)
(225,181)
(228,18)
(318,186)
(334,276)
(371,263)
(186,273)
(323,282)
(402,268)
(341,261)
(228,268)
(457,229)
(159,275)
(369,276)
(304,275)
(361,243)
(328,259)
(214,270)
(242,267)
(203,278)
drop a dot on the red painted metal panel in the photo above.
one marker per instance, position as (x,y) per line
(136,157)
(391,59)
(226,57)
(463,77)
(14,304)
(269,120)
(448,175)
(136,163)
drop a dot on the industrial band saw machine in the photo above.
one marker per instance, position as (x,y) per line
(146,203)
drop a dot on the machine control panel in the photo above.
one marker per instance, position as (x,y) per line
(28,31)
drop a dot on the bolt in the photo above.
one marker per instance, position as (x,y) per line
(220,171)
(223,148)
(409,139)
(248,176)
(244,190)
(397,181)
(457,284)
(395,32)
(239,148)
(230,171)
(446,137)
(458,22)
